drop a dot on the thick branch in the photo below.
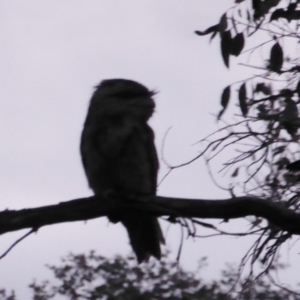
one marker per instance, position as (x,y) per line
(94,207)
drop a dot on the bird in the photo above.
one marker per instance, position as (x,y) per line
(119,156)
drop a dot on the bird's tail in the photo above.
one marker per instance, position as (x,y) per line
(145,236)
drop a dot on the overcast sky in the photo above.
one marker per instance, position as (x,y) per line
(52,55)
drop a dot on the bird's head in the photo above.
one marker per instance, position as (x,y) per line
(119,97)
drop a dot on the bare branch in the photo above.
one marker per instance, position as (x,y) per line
(17,242)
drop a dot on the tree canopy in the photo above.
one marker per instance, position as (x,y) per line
(92,276)
(262,129)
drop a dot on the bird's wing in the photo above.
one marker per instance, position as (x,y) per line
(106,140)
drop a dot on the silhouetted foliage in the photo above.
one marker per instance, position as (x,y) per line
(92,276)
(264,133)
(224,100)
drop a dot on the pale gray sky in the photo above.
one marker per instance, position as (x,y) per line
(52,54)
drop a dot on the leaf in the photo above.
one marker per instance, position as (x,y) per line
(255,4)
(237,44)
(272,3)
(209,30)
(223,23)
(263,88)
(221,113)
(278,13)
(289,15)
(278,150)
(294,166)
(234,25)
(292,7)
(262,108)
(225,96)
(224,100)
(226,46)
(276,58)
(290,178)
(268,4)
(242,99)
(282,163)
(235,173)
(261,8)
(256,7)
(288,117)
(298,89)
(290,111)
(287,93)
(295,15)
(213,35)
(248,16)
(255,222)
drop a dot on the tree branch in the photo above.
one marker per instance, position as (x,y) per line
(94,207)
